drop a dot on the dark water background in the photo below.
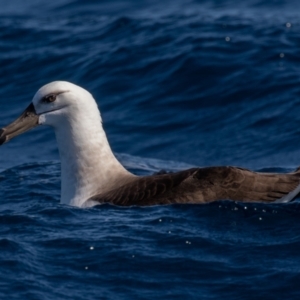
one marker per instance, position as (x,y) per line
(179,83)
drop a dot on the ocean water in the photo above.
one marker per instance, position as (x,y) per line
(179,84)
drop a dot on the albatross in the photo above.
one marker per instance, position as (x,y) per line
(91,174)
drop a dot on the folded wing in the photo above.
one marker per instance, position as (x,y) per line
(202,185)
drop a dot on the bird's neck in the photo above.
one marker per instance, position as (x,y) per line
(88,166)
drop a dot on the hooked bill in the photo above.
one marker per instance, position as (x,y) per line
(27,120)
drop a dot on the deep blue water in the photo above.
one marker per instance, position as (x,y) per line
(179,84)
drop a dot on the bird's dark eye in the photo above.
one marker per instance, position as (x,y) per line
(49,98)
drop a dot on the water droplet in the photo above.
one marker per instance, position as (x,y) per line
(160,220)
(86,268)
(288,25)
(245,207)
(260,219)
(169,231)
(227,39)
(91,248)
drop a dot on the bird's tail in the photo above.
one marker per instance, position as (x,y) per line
(290,196)
(293,194)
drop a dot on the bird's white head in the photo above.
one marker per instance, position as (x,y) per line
(61,100)
(54,104)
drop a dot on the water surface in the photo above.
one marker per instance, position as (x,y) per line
(179,84)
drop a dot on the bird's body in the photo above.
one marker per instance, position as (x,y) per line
(91,174)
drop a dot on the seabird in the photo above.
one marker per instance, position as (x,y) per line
(91,174)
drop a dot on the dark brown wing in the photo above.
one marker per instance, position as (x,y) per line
(202,185)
